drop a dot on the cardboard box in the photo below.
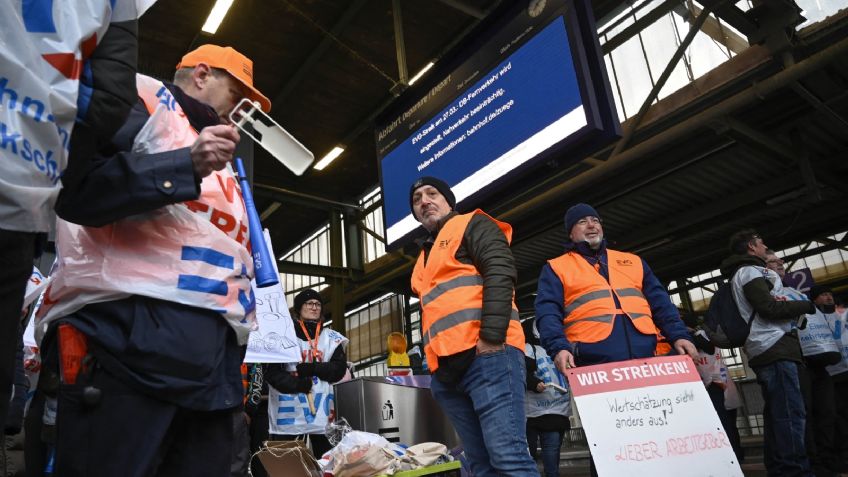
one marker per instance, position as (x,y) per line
(288,459)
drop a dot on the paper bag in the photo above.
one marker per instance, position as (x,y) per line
(288,459)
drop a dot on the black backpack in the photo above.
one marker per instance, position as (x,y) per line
(725,326)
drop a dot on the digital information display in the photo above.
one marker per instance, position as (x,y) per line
(473,130)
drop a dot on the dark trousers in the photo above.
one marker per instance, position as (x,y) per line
(840,389)
(551,443)
(35,447)
(817,388)
(131,434)
(17,251)
(241,444)
(733,434)
(258,436)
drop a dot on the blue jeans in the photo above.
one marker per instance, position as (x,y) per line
(784,420)
(486,408)
(551,443)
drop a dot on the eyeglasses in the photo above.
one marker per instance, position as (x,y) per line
(589,220)
(313,304)
(775,260)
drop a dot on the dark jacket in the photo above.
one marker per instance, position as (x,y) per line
(625,341)
(107,94)
(287,383)
(757,293)
(484,246)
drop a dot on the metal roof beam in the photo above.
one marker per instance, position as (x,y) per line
(297,268)
(714,29)
(400,46)
(756,139)
(804,253)
(465,8)
(534,199)
(313,59)
(639,25)
(285,195)
(733,15)
(666,227)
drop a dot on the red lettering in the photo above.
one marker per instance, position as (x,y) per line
(229,188)
(651,450)
(639,452)
(634,452)
(223,220)
(242,231)
(696,443)
(196,206)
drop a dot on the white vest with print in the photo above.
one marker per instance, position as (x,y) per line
(289,414)
(819,336)
(764,334)
(550,401)
(709,367)
(194,253)
(44,47)
(840,334)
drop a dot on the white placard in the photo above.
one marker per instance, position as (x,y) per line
(652,417)
(274,340)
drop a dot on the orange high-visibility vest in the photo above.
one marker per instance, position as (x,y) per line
(589,305)
(451,295)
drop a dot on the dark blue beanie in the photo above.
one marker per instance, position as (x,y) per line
(577,212)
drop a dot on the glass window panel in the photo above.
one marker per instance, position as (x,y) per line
(817,10)
(634,81)
(704,53)
(660,44)
(616,93)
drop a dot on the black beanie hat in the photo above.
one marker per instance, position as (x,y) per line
(303,297)
(817,290)
(439,184)
(577,212)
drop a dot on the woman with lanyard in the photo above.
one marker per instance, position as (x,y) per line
(301,401)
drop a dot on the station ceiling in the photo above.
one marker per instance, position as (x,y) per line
(762,141)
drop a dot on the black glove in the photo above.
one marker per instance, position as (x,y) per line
(306,369)
(304,384)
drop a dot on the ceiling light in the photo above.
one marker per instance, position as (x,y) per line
(216,16)
(326,160)
(421,73)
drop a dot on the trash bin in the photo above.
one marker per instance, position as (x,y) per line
(399,408)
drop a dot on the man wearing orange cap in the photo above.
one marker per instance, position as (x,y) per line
(151,304)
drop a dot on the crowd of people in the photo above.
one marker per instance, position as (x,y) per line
(143,328)
(597,305)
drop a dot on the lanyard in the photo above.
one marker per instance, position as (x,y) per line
(312,343)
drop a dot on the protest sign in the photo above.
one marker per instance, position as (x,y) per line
(651,415)
(274,340)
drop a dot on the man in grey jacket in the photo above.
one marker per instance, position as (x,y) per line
(773,349)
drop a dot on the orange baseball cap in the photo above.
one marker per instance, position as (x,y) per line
(230,60)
